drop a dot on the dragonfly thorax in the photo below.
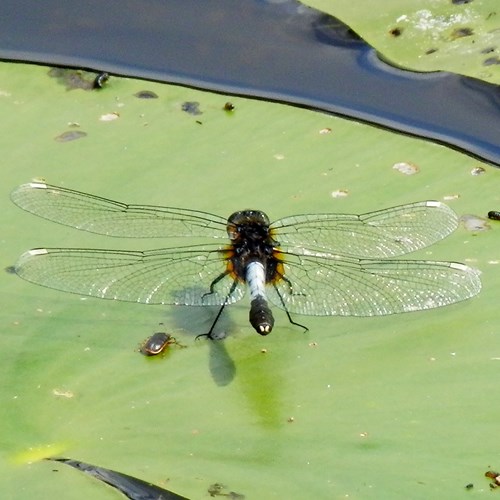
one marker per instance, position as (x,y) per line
(251,241)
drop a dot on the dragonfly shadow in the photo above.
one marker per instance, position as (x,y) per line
(222,367)
(197,321)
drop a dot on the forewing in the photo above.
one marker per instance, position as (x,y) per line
(100,215)
(351,287)
(181,276)
(381,234)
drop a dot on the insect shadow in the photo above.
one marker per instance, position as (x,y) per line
(195,319)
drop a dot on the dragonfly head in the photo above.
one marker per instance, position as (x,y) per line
(252,224)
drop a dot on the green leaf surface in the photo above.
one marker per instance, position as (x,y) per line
(428,35)
(361,408)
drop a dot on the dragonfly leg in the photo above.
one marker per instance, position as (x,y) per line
(286,310)
(209,334)
(226,301)
(294,322)
(215,281)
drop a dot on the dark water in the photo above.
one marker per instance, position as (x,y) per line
(281,51)
(132,487)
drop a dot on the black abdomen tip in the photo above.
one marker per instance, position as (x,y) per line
(261,316)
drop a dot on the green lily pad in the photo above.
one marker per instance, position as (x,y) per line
(427,35)
(365,408)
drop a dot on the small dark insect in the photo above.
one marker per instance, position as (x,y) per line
(157,344)
(100,80)
(494,215)
(469,486)
(79,79)
(395,32)
(229,106)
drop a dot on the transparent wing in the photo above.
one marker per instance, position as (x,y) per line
(381,234)
(180,276)
(352,287)
(100,215)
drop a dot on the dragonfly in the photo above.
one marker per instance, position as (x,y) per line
(312,264)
